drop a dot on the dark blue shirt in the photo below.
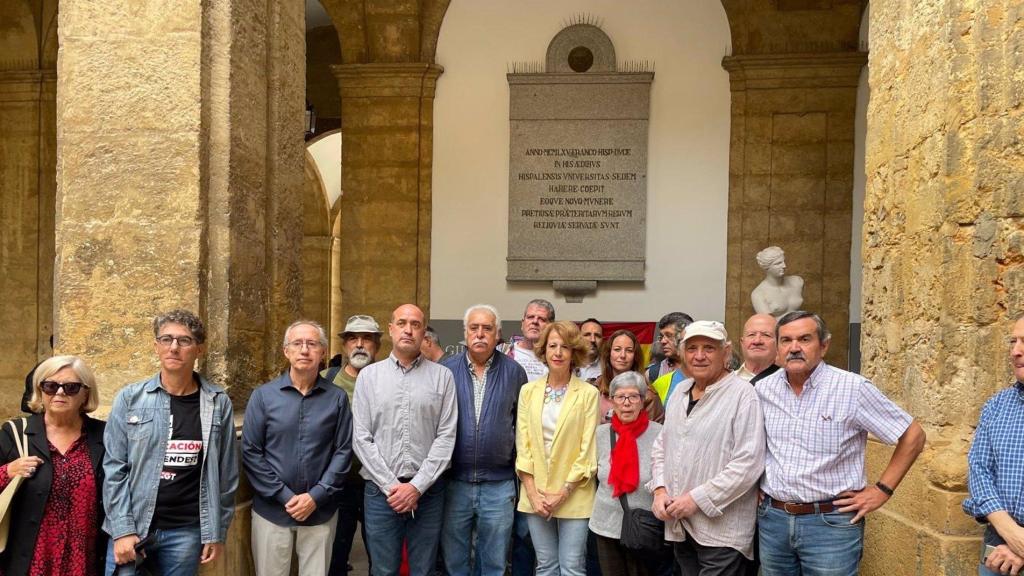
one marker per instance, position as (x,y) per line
(293,444)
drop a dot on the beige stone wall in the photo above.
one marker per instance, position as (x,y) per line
(322,52)
(943,253)
(317,244)
(791,180)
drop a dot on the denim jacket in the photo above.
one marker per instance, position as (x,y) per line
(136,443)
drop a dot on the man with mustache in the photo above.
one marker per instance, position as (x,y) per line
(482,492)
(759,350)
(592,333)
(669,373)
(817,420)
(360,342)
(996,460)
(404,425)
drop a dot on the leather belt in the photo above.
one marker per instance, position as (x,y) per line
(801,508)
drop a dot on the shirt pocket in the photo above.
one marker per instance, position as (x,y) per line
(823,435)
(139,424)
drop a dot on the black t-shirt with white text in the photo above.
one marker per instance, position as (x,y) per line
(177,500)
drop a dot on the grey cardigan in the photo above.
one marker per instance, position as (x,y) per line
(606,519)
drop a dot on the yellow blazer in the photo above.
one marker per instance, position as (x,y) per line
(573,454)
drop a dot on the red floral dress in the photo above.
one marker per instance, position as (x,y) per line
(66,545)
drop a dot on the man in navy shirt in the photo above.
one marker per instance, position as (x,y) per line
(996,479)
(296,449)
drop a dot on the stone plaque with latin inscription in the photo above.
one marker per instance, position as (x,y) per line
(578,164)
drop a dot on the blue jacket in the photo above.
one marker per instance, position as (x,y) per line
(486,452)
(136,443)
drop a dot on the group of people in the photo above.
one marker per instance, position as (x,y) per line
(534,455)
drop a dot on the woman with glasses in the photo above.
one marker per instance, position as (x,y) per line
(621,353)
(555,457)
(57,513)
(624,470)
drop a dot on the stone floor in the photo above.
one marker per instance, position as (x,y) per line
(357,558)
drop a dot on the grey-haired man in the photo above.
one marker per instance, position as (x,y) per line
(360,342)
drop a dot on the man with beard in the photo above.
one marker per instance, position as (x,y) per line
(759,350)
(360,342)
(592,333)
(482,492)
(404,423)
(817,420)
(996,461)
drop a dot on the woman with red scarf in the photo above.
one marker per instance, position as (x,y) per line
(625,469)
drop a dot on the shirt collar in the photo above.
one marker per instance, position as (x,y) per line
(487,365)
(286,382)
(413,366)
(1020,389)
(812,380)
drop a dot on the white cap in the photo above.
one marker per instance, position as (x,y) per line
(708,329)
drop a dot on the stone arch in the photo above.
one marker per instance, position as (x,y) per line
(387,31)
(316,245)
(19,36)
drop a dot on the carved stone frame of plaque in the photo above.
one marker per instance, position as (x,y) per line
(578,166)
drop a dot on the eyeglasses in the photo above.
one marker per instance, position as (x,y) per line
(50,387)
(183,341)
(626,398)
(299,344)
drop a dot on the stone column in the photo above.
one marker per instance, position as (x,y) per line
(180,146)
(943,255)
(27,141)
(791,180)
(387,122)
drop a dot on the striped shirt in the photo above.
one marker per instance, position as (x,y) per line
(816,440)
(996,459)
(716,453)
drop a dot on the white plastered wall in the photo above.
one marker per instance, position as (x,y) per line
(688,147)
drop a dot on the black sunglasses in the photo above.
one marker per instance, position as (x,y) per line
(70,388)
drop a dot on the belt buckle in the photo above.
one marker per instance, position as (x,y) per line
(785,507)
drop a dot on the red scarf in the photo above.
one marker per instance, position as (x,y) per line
(624,475)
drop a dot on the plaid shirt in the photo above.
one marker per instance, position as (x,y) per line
(816,440)
(996,459)
(479,386)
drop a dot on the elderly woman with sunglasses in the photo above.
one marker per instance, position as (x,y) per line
(56,514)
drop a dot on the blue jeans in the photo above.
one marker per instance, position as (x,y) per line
(386,530)
(810,544)
(172,552)
(487,507)
(561,545)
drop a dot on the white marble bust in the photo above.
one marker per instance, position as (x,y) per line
(777,293)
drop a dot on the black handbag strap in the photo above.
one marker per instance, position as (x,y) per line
(622,497)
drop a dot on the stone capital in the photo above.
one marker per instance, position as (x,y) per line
(834,69)
(416,79)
